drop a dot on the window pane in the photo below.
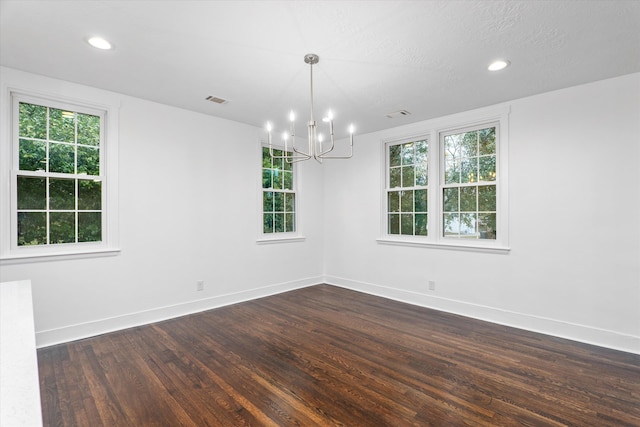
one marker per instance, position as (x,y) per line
(89,226)
(278,202)
(450,199)
(62,125)
(277,179)
(89,160)
(394,155)
(89,195)
(487,198)
(394,201)
(406,224)
(488,168)
(408,176)
(61,158)
(406,201)
(33,155)
(452,147)
(394,224)
(88,129)
(287,165)
(487,225)
(32,228)
(289,202)
(62,194)
(62,227)
(467,199)
(469,172)
(395,177)
(467,225)
(421,174)
(32,193)
(278,222)
(290,225)
(469,144)
(407,153)
(288,180)
(487,141)
(276,162)
(451,224)
(421,152)
(266,158)
(266,178)
(268,223)
(33,121)
(452,171)
(420,200)
(267,201)
(421,224)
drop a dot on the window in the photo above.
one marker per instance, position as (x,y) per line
(469,187)
(407,193)
(448,186)
(278,194)
(59,189)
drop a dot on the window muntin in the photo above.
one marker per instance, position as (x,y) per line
(407,189)
(59,194)
(278,194)
(469,184)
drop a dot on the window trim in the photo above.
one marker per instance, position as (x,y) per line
(10,252)
(433,130)
(283,237)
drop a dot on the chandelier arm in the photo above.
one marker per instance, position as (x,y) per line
(322,156)
(287,157)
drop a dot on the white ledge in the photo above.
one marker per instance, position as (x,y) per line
(290,239)
(445,245)
(56,256)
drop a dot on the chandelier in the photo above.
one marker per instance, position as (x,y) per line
(317,148)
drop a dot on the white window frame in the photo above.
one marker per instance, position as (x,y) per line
(10,252)
(433,131)
(282,237)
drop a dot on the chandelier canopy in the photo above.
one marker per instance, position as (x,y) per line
(316,148)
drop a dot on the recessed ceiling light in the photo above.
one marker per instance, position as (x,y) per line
(100,43)
(498,65)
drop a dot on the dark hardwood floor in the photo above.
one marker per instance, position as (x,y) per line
(325,356)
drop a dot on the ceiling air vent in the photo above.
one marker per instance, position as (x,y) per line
(216,100)
(398,114)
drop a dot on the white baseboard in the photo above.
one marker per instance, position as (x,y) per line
(98,327)
(581,333)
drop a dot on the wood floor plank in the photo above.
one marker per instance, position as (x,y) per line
(327,356)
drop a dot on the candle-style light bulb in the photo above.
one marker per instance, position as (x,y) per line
(285,135)
(351,129)
(292,116)
(268,127)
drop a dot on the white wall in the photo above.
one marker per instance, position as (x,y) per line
(189,200)
(574,265)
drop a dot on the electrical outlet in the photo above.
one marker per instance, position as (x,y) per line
(432,285)
(200,285)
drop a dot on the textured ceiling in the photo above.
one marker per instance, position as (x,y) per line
(376,57)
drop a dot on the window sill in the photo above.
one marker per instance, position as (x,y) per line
(56,256)
(460,246)
(283,239)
